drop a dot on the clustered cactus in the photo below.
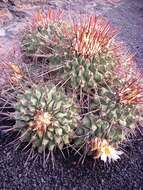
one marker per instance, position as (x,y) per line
(96,103)
(115,117)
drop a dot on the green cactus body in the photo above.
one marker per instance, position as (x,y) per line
(45,117)
(87,73)
(51,42)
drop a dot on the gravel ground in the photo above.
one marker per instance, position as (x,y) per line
(127,174)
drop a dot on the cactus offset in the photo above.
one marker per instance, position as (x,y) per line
(46,117)
(46,35)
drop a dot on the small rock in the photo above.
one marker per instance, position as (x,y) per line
(2,32)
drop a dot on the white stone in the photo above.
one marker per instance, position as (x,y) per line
(2,32)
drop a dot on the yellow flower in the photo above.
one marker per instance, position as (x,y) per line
(108,152)
(103,150)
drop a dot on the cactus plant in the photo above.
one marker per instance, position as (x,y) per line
(39,26)
(45,117)
(45,35)
(93,58)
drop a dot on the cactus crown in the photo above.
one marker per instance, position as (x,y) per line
(93,36)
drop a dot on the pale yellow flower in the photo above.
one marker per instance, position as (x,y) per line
(108,152)
(103,150)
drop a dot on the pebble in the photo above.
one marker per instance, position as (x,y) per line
(2,32)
